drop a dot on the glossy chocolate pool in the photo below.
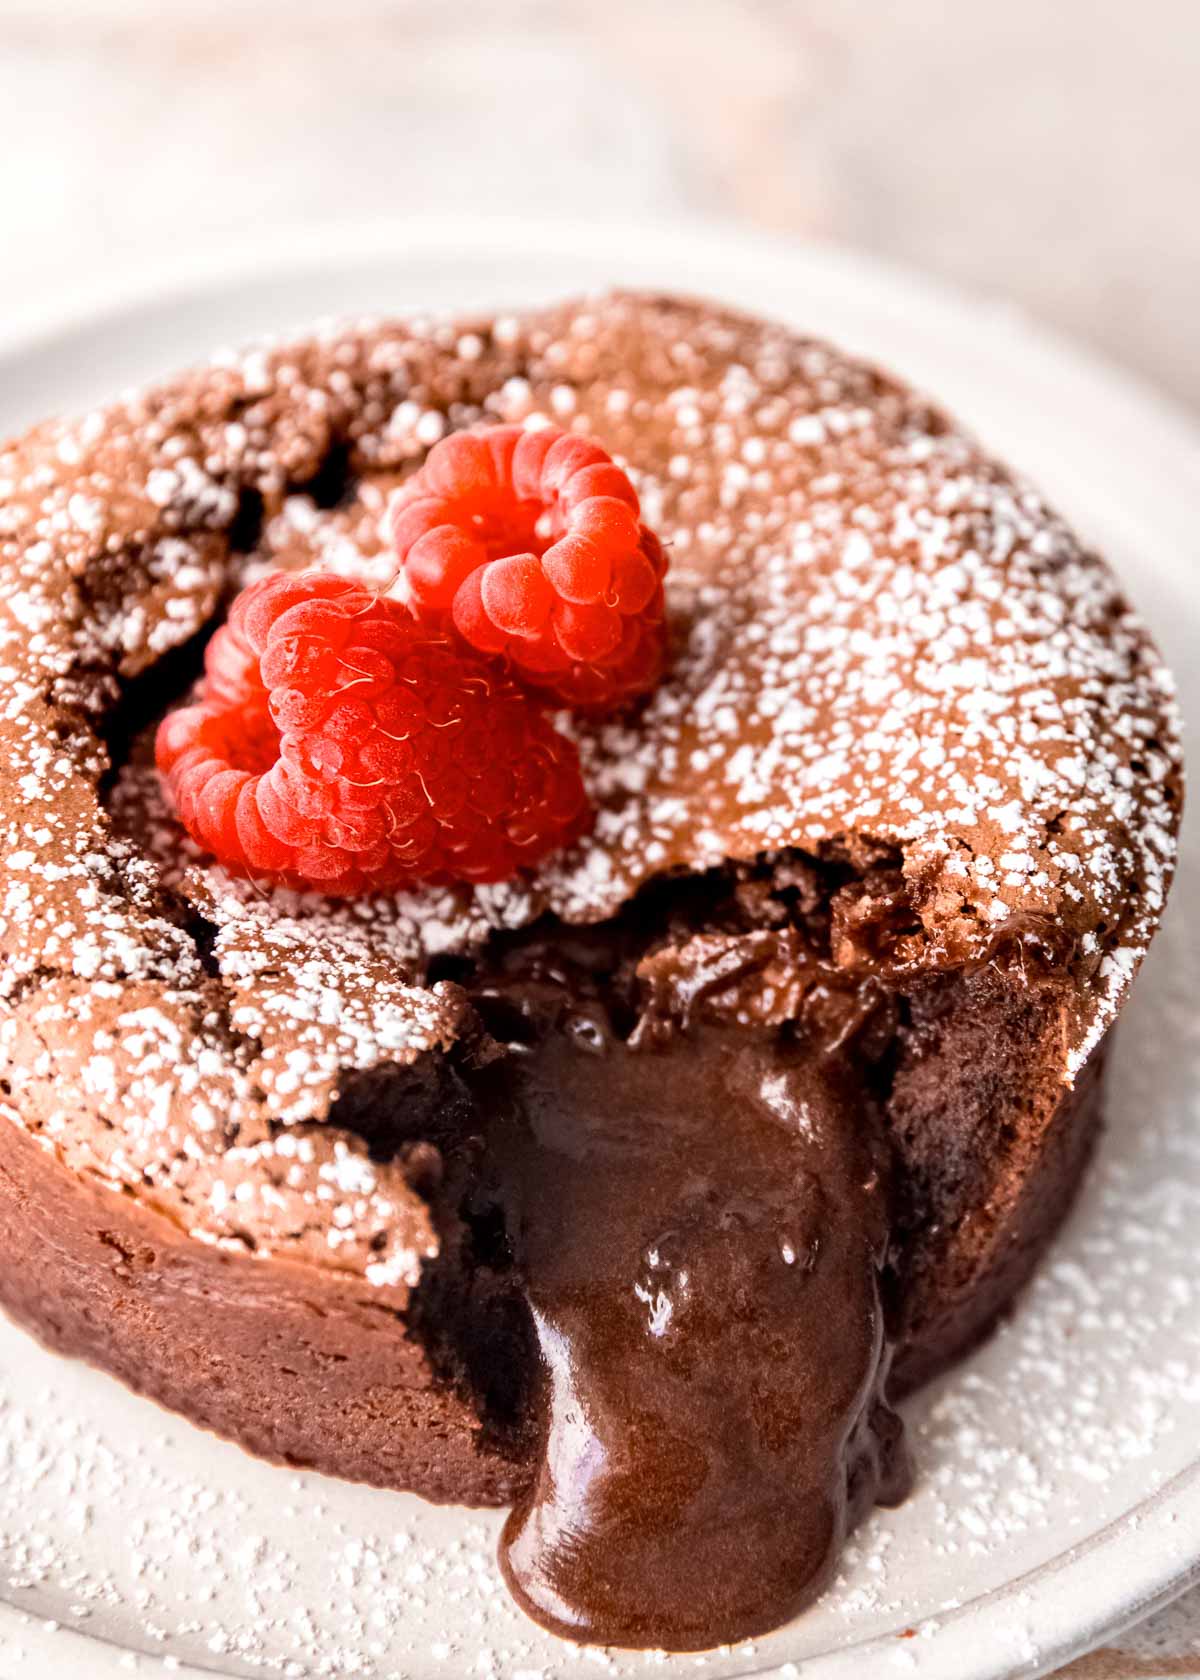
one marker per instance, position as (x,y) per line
(700,1221)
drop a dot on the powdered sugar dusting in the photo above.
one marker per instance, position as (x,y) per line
(881,641)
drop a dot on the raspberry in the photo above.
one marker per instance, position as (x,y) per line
(341,745)
(530,544)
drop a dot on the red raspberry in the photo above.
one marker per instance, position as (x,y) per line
(530,543)
(341,745)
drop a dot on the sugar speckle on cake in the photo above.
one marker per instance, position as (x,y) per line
(880,637)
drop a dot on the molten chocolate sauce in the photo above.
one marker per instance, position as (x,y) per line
(700,1225)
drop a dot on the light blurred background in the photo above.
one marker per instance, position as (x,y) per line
(1046,152)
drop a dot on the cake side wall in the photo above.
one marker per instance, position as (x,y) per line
(298,1365)
(962,1279)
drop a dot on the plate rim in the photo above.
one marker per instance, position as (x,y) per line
(711,245)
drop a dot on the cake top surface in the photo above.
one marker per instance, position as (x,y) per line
(886,649)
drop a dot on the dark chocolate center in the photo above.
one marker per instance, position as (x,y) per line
(700,1223)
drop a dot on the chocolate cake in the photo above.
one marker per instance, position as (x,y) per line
(719,1130)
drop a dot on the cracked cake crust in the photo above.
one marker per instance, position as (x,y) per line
(889,656)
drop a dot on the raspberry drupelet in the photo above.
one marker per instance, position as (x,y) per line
(530,544)
(341,745)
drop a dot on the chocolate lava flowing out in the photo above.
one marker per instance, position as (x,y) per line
(697,1209)
(678,1162)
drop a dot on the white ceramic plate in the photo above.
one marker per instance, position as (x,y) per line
(1059,1471)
